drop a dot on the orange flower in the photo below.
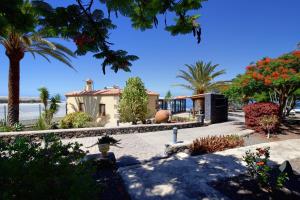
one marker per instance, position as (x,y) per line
(268,80)
(261,163)
(267,60)
(250,67)
(275,75)
(284,76)
(260,76)
(296,53)
(254,75)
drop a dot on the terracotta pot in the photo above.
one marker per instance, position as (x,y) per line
(103,148)
(162,116)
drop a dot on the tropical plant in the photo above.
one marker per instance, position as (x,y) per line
(134,101)
(259,168)
(75,120)
(45,170)
(50,110)
(18,39)
(200,77)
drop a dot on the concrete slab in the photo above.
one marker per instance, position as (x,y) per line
(183,177)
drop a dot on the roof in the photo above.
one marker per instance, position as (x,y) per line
(197,96)
(112,91)
(180,97)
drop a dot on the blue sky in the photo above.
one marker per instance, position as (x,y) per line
(234,33)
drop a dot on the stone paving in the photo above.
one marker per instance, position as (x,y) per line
(139,147)
(182,177)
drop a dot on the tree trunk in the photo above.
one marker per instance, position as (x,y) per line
(14,86)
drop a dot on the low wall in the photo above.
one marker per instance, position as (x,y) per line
(98,131)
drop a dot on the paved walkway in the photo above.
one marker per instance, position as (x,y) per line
(140,147)
(182,177)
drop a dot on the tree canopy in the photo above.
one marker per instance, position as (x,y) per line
(134,101)
(271,79)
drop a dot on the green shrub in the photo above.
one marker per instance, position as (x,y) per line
(212,144)
(40,124)
(30,170)
(75,120)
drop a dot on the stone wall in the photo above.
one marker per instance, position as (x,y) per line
(90,132)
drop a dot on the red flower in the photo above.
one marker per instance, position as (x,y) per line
(267,60)
(296,53)
(268,80)
(250,67)
(275,75)
(261,163)
(260,76)
(284,76)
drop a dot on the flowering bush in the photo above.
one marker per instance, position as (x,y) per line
(254,112)
(258,168)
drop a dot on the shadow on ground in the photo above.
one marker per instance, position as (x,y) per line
(183,178)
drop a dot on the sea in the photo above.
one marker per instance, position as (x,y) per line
(30,112)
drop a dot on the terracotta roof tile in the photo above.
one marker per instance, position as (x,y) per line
(113,91)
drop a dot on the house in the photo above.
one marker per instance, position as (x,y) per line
(103,104)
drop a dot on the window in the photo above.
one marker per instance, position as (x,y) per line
(102,109)
(81,107)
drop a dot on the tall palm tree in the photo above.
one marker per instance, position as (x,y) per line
(200,77)
(18,39)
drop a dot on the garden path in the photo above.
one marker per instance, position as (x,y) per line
(141,147)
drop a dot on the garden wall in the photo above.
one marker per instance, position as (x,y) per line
(98,131)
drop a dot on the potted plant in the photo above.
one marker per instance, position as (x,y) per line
(104,143)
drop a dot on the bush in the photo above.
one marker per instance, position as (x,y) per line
(254,112)
(51,170)
(75,120)
(40,124)
(212,144)
(259,169)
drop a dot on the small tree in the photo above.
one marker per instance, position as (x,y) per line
(168,98)
(53,108)
(268,123)
(134,100)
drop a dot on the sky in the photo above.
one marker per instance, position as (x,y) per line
(234,33)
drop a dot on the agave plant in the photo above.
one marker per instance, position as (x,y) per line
(200,77)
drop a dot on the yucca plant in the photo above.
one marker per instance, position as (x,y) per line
(200,77)
(19,38)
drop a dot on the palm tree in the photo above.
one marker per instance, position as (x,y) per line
(18,41)
(200,77)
